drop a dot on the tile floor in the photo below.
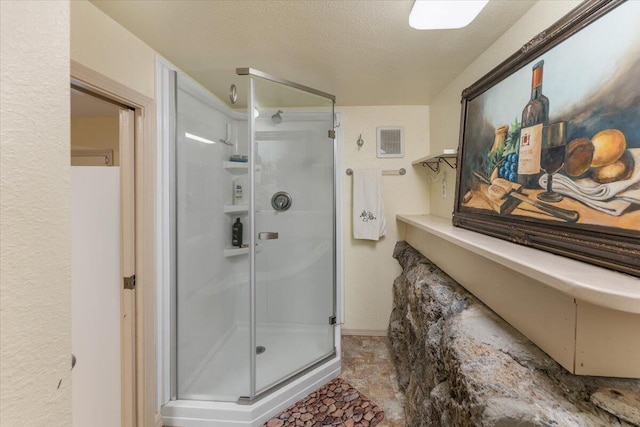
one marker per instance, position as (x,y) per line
(367,365)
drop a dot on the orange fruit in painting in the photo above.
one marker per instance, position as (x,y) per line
(608,144)
(619,170)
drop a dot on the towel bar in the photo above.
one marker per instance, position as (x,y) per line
(400,171)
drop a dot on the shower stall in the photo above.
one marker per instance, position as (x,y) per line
(248,318)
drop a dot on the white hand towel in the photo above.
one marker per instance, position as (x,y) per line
(368,208)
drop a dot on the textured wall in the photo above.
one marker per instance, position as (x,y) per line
(445,109)
(368,266)
(35,311)
(100,43)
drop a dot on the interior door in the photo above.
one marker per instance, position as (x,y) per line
(95,295)
(294,214)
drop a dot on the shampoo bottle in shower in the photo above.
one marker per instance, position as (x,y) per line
(236,233)
(238,197)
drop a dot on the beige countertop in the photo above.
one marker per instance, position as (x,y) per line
(586,282)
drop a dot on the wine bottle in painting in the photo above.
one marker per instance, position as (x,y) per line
(534,117)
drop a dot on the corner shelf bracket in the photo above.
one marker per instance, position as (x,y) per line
(434,169)
(444,159)
(433,162)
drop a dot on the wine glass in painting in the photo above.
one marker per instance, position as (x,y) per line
(552,157)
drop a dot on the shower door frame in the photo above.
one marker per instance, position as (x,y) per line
(246,71)
(250,72)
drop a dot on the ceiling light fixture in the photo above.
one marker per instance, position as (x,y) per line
(444,14)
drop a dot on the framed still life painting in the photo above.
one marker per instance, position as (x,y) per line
(549,152)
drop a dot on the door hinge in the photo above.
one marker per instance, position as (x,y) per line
(332,134)
(130,282)
(332,320)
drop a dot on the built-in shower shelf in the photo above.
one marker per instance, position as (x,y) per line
(235,209)
(229,252)
(236,167)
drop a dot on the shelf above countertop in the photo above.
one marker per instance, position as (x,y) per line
(435,159)
(586,282)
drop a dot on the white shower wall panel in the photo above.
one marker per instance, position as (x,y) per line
(209,285)
(296,157)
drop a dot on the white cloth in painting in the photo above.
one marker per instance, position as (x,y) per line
(612,198)
(368,209)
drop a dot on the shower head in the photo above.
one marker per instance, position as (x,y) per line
(277,118)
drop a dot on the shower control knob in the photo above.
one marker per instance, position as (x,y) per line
(281,201)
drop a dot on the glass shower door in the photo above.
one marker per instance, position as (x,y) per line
(294,231)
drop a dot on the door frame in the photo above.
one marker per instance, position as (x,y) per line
(144,185)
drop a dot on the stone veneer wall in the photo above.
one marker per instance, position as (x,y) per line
(460,364)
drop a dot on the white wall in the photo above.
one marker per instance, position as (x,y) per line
(369,266)
(445,109)
(100,43)
(35,313)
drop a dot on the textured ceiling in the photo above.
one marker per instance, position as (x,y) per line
(361,51)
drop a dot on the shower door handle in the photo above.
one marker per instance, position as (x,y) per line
(268,235)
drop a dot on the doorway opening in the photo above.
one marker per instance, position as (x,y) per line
(102,310)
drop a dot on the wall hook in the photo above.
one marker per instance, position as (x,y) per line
(360,141)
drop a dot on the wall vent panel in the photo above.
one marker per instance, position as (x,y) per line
(390,141)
